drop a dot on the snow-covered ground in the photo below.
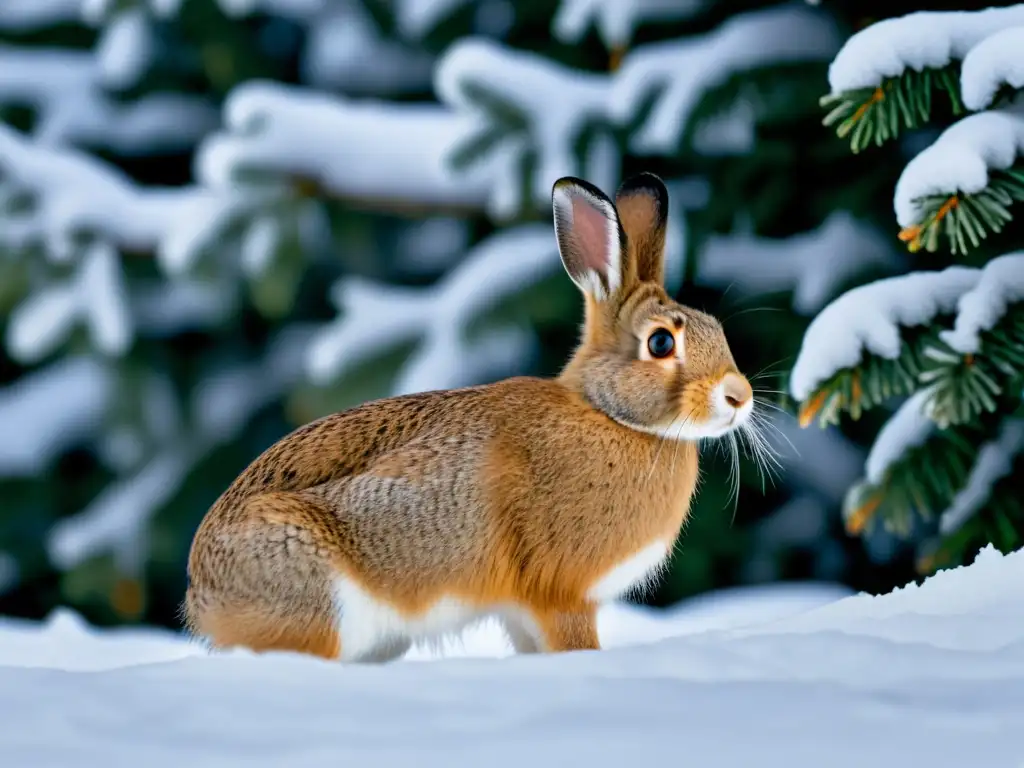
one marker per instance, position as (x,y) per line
(774,676)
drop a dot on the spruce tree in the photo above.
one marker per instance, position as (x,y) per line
(945,470)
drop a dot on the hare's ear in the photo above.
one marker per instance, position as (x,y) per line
(590,240)
(642,203)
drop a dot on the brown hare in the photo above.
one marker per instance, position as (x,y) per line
(530,500)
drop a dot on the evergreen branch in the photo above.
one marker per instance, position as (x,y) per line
(967,219)
(875,380)
(867,115)
(921,484)
(1000,522)
(963,387)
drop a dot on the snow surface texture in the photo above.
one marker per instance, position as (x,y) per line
(905,430)
(959,160)
(811,264)
(979,309)
(868,319)
(925,39)
(809,675)
(994,462)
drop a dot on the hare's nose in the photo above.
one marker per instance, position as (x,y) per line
(736,389)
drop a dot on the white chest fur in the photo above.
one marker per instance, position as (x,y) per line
(635,572)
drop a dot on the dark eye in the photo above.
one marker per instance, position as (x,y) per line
(661,343)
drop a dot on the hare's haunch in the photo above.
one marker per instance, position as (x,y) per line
(531,500)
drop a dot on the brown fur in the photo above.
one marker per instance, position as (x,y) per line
(524,492)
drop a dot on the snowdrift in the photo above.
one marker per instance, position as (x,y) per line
(784,675)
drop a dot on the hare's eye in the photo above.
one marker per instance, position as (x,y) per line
(661,343)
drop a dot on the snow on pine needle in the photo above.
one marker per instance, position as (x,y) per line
(885,77)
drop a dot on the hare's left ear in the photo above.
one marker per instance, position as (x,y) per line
(590,239)
(642,203)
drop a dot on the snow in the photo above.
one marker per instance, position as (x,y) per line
(355,149)
(995,461)
(299,10)
(811,676)
(683,70)
(554,104)
(117,519)
(376,315)
(97,297)
(616,21)
(346,51)
(979,309)
(415,18)
(869,318)
(78,193)
(908,428)
(65,89)
(811,264)
(959,160)
(124,49)
(49,410)
(259,245)
(921,40)
(29,15)
(991,64)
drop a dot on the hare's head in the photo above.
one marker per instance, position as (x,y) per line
(645,360)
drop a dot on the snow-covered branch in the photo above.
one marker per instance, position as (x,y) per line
(46,411)
(991,64)
(357,150)
(995,461)
(1001,284)
(29,15)
(117,519)
(65,89)
(95,296)
(525,107)
(439,316)
(684,70)
(917,41)
(811,264)
(616,21)
(869,318)
(908,428)
(959,161)
(74,194)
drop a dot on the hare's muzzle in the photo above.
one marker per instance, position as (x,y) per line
(733,399)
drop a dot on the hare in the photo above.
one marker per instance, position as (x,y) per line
(531,500)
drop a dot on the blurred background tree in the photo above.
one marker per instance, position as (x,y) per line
(220,219)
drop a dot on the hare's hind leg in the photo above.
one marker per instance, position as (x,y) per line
(262,578)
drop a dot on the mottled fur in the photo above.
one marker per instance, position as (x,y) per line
(513,498)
